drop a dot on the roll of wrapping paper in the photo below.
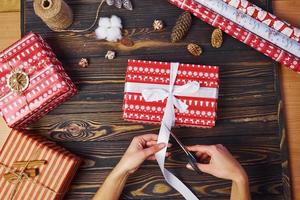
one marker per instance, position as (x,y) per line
(55,13)
(239,33)
(266,18)
(250,24)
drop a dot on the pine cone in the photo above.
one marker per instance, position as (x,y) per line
(127,4)
(118,3)
(110,2)
(181,27)
(217,38)
(194,49)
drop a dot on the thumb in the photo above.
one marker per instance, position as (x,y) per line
(203,167)
(154,149)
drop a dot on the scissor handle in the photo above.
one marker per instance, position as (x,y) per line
(193,162)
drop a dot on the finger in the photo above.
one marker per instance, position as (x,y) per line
(201,148)
(149,137)
(151,143)
(153,149)
(202,167)
(205,159)
(153,157)
(203,156)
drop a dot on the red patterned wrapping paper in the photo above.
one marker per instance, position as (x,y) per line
(201,111)
(48,87)
(266,18)
(54,177)
(239,33)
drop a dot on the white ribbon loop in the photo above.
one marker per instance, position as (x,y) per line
(159,94)
(155,94)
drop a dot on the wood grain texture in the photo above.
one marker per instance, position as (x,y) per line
(92,130)
(290,83)
(249,99)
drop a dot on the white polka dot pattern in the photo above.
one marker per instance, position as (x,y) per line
(201,111)
(49,84)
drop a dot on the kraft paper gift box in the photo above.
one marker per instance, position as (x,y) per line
(32,81)
(33,168)
(153,77)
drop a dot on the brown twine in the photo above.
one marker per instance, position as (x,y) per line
(58,15)
(20,176)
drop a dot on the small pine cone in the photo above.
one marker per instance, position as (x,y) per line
(217,38)
(127,4)
(118,3)
(181,27)
(110,2)
(194,49)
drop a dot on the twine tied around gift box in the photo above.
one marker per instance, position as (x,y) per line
(58,15)
(18,80)
(16,178)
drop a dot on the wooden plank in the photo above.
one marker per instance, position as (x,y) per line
(250,121)
(148,182)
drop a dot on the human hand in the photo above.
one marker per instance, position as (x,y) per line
(140,149)
(218,161)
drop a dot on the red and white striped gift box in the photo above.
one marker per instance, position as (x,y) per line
(48,84)
(53,178)
(141,74)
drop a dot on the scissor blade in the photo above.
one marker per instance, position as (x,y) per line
(191,159)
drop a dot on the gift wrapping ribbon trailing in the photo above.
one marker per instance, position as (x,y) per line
(160,92)
(239,32)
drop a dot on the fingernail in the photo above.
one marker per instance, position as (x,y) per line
(161,145)
(189,166)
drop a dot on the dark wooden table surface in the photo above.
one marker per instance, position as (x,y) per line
(249,123)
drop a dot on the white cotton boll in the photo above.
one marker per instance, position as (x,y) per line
(115,21)
(101,33)
(113,34)
(104,22)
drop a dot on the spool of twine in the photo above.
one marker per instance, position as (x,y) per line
(55,13)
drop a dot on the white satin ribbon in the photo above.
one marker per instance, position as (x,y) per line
(168,121)
(252,25)
(161,90)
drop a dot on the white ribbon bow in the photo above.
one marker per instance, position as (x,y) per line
(157,94)
(168,121)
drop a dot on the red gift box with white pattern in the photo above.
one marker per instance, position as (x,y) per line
(201,111)
(54,167)
(41,77)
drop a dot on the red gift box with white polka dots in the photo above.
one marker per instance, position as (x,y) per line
(201,110)
(32,81)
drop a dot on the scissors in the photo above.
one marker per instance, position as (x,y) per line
(191,158)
